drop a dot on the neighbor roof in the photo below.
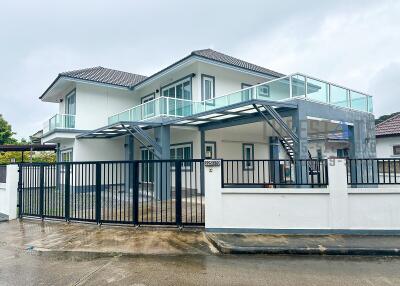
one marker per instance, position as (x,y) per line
(389,127)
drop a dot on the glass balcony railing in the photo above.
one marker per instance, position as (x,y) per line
(281,89)
(59,121)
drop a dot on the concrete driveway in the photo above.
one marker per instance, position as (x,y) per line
(53,253)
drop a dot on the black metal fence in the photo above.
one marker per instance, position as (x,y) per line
(124,192)
(3,173)
(379,171)
(274,173)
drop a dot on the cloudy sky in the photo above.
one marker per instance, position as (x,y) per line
(356,44)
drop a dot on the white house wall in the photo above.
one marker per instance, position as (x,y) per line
(384,146)
(94,104)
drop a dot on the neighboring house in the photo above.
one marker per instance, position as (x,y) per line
(206,105)
(388,138)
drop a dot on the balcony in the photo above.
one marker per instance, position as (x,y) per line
(282,89)
(59,121)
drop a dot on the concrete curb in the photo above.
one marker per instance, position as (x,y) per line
(321,250)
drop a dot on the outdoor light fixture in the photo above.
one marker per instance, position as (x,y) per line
(157,91)
(61,100)
(193,74)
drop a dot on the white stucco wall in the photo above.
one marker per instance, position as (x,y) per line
(99,149)
(334,208)
(384,146)
(9,193)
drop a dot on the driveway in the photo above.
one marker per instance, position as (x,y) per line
(54,253)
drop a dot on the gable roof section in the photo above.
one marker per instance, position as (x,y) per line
(222,58)
(215,56)
(389,127)
(129,80)
(101,75)
(105,75)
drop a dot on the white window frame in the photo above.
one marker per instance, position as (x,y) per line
(397,146)
(205,78)
(248,165)
(182,146)
(174,85)
(69,152)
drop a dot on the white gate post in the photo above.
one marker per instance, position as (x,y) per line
(338,203)
(12,191)
(212,193)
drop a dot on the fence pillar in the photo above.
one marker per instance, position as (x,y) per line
(41,191)
(213,196)
(135,190)
(98,193)
(178,192)
(67,186)
(9,193)
(338,203)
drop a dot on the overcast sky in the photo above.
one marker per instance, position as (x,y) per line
(356,44)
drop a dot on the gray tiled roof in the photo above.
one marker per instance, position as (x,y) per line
(389,127)
(105,75)
(220,57)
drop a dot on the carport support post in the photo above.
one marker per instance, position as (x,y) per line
(274,155)
(129,148)
(203,156)
(299,122)
(163,185)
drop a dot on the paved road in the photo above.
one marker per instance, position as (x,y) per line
(29,268)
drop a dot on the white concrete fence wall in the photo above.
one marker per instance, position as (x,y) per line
(9,193)
(335,209)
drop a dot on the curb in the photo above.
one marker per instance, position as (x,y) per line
(224,248)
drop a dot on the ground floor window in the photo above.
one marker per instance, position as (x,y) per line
(66,155)
(182,152)
(342,153)
(248,156)
(211,150)
(396,150)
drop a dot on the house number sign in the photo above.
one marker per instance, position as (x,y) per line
(212,163)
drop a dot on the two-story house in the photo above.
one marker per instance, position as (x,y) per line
(206,105)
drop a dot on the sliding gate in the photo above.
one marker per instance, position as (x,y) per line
(159,192)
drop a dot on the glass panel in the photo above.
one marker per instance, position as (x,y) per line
(179,153)
(171,92)
(317,90)
(179,91)
(358,101)
(165,92)
(246,94)
(370,104)
(339,96)
(298,85)
(207,89)
(274,90)
(187,90)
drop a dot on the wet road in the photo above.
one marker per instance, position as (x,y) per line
(29,268)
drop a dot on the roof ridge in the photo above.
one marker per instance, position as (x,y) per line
(386,120)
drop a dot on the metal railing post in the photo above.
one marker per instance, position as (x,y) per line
(20,184)
(41,191)
(98,193)
(178,192)
(135,189)
(67,186)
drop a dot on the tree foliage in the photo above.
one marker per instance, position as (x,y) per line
(6,134)
(385,117)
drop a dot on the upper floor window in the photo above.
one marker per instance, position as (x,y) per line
(207,87)
(70,103)
(181,89)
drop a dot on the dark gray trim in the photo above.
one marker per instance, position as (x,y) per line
(153,94)
(244,145)
(306,231)
(202,85)
(194,56)
(215,147)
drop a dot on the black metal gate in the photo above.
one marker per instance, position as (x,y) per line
(159,192)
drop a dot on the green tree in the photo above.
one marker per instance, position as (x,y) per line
(6,134)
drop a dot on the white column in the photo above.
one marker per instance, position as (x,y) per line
(213,196)
(9,206)
(338,211)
